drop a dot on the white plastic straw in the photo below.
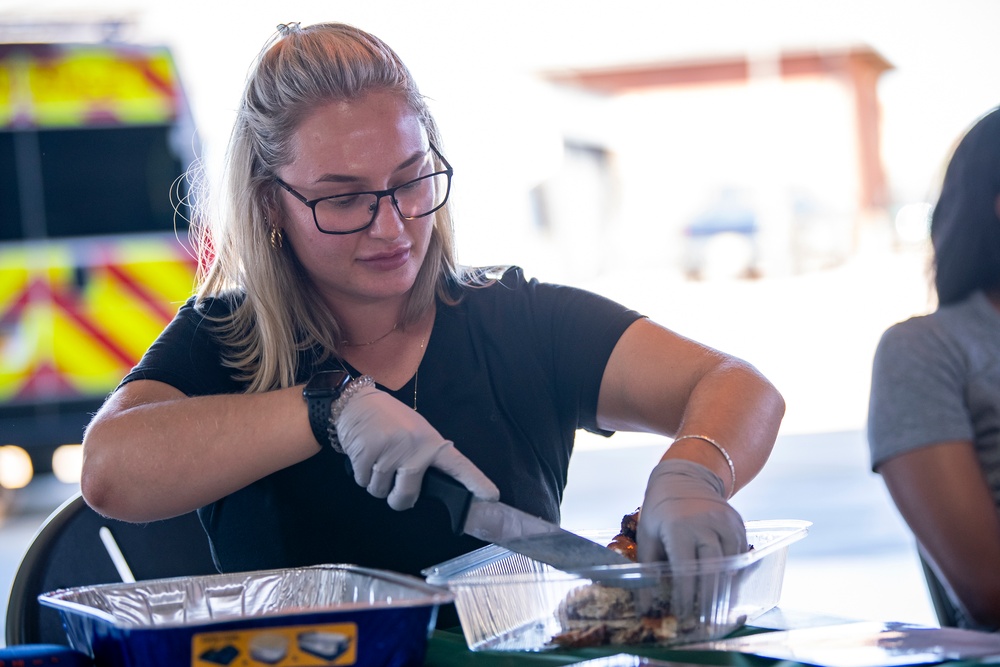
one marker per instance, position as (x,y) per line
(117,557)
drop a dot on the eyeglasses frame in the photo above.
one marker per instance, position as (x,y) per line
(390,192)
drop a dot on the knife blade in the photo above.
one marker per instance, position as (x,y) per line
(514,529)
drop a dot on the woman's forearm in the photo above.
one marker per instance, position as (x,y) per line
(152,452)
(659,382)
(941,493)
(741,411)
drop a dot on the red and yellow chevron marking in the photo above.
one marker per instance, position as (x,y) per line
(84,85)
(76,316)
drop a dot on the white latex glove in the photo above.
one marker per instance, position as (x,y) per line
(685,515)
(391,445)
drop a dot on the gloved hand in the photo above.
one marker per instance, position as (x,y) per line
(391,445)
(685,515)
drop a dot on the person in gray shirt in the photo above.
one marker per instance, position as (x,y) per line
(934,411)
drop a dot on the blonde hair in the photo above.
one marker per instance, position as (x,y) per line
(281,313)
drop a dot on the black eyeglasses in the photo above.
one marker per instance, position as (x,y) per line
(356,211)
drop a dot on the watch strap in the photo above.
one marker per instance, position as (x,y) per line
(319,418)
(324,412)
(318,402)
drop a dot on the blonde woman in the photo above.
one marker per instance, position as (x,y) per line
(334,320)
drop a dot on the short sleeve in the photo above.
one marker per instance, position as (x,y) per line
(574,333)
(917,393)
(186,355)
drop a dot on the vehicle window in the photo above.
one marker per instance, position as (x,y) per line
(10,203)
(93,182)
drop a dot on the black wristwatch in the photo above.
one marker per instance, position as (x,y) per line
(322,390)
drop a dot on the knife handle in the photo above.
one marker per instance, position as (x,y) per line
(443,487)
(452,493)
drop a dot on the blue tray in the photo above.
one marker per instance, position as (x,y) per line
(320,615)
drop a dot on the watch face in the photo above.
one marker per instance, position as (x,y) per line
(326,383)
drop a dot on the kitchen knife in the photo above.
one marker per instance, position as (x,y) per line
(518,531)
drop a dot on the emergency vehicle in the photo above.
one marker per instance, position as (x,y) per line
(95,138)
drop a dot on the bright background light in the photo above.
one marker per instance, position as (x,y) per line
(67,461)
(15,467)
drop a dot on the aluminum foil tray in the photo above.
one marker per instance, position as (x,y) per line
(508,602)
(320,615)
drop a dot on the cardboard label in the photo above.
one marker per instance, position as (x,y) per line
(333,644)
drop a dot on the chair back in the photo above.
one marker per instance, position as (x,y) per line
(948,613)
(68,551)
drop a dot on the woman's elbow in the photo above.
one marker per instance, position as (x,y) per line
(97,476)
(769,399)
(776,401)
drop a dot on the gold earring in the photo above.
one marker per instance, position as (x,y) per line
(277,239)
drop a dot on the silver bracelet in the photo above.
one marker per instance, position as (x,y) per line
(722,450)
(337,407)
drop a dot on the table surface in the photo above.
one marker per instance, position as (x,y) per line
(447,648)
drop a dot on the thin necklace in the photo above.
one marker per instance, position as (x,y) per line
(373,341)
(416,377)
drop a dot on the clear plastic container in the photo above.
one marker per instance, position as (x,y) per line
(325,614)
(508,602)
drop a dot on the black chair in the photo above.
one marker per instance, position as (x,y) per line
(68,551)
(947,611)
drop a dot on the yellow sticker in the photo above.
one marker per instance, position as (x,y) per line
(301,646)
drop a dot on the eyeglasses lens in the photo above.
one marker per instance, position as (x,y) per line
(415,199)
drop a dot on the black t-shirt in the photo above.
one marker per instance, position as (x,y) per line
(509,374)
